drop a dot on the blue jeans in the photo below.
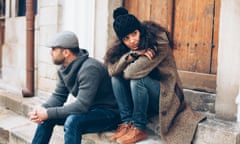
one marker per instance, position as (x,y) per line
(96,120)
(137,99)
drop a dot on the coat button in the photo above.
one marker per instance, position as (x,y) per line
(164,94)
(164,113)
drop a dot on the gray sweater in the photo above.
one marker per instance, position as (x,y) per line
(86,79)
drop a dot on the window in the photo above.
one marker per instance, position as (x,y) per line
(22,7)
(2,8)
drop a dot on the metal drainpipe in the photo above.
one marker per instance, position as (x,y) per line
(29,90)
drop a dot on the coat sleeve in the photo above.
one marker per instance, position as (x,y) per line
(119,66)
(143,66)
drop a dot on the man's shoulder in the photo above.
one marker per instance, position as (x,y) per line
(91,66)
(92,62)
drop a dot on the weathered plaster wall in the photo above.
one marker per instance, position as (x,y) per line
(50,15)
(14,51)
(14,48)
(228,76)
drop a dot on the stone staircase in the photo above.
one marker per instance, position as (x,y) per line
(15,128)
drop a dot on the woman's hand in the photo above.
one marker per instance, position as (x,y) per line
(149,53)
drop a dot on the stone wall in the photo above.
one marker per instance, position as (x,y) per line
(50,14)
(228,75)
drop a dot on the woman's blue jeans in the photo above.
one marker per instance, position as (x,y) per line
(137,99)
(96,120)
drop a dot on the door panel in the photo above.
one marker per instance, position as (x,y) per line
(140,8)
(193,25)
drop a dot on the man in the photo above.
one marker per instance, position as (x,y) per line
(94,109)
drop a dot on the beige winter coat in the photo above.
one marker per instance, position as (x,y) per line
(177,121)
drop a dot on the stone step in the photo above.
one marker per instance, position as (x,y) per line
(10,123)
(11,98)
(215,131)
(15,128)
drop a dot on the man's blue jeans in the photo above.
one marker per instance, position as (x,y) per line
(96,120)
(137,99)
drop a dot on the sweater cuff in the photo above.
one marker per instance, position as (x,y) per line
(52,113)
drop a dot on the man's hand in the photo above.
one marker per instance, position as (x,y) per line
(38,114)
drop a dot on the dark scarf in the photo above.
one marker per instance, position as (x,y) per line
(70,72)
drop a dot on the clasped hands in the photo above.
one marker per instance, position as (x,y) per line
(149,53)
(38,114)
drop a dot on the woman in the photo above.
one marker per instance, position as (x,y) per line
(145,80)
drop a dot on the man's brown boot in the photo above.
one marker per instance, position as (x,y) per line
(122,130)
(134,134)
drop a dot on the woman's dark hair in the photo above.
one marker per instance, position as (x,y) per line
(148,39)
(115,52)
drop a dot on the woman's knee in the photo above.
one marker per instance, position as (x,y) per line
(137,82)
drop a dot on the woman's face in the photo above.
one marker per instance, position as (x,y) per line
(132,40)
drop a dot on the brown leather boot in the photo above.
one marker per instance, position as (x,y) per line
(122,130)
(133,135)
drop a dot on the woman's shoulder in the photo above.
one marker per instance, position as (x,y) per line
(162,34)
(153,26)
(156,29)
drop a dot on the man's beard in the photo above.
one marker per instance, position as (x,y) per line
(59,62)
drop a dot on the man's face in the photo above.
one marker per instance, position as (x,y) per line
(57,56)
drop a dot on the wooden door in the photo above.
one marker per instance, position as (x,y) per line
(193,25)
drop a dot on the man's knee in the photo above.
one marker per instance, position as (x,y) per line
(73,122)
(70,121)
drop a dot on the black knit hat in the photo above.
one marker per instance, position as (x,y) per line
(124,23)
